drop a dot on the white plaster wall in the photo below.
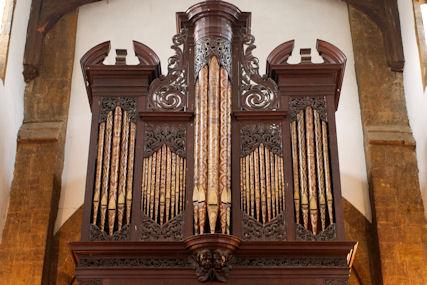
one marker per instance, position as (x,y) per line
(12,104)
(122,21)
(416,97)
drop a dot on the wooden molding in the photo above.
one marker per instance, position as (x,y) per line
(46,13)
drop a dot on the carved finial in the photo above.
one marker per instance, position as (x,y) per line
(305,55)
(121,56)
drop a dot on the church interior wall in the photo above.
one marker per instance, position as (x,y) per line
(12,104)
(416,97)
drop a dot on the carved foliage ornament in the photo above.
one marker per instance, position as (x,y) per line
(330,233)
(157,136)
(336,282)
(138,262)
(288,261)
(212,265)
(212,46)
(254,135)
(108,104)
(298,104)
(171,231)
(96,234)
(257,92)
(254,230)
(169,93)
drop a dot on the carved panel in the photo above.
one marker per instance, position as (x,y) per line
(171,231)
(212,265)
(96,234)
(158,135)
(300,103)
(207,47)
(108,104)
(254,230)
(288,261)
(336,282)
(257,92)
(90,281)
(330,233)
(136,262)
(169,93)
(254,135)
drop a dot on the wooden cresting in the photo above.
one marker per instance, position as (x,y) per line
(213,166)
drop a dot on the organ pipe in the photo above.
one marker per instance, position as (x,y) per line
(112,196)
(311,171)
(106,169)
(212,186)
(98,175)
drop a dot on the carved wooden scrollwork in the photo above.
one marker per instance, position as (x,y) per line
(289,261)
(169,93)
(273,230)
(257,92)
(171,231)
(90,282)
(300,103)
(254,135)
(108,104)
(336,282)
(159,135)
(207,47)
(212,265)
(96,234)
(136,262)
(330,233)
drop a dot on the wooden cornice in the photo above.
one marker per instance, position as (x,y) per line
(46,13)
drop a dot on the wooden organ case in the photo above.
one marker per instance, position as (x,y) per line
(212,172)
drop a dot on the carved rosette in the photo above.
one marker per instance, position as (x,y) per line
(207,47)
(169,93)
(257,92)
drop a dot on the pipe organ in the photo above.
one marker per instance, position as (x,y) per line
(213,169)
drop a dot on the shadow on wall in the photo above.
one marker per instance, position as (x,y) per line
(62,264)
(353,189)
(366,264)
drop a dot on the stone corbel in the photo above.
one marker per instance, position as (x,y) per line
(46,13)
(385,14)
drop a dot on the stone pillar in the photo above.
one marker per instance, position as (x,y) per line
(397,208)
(25,251)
